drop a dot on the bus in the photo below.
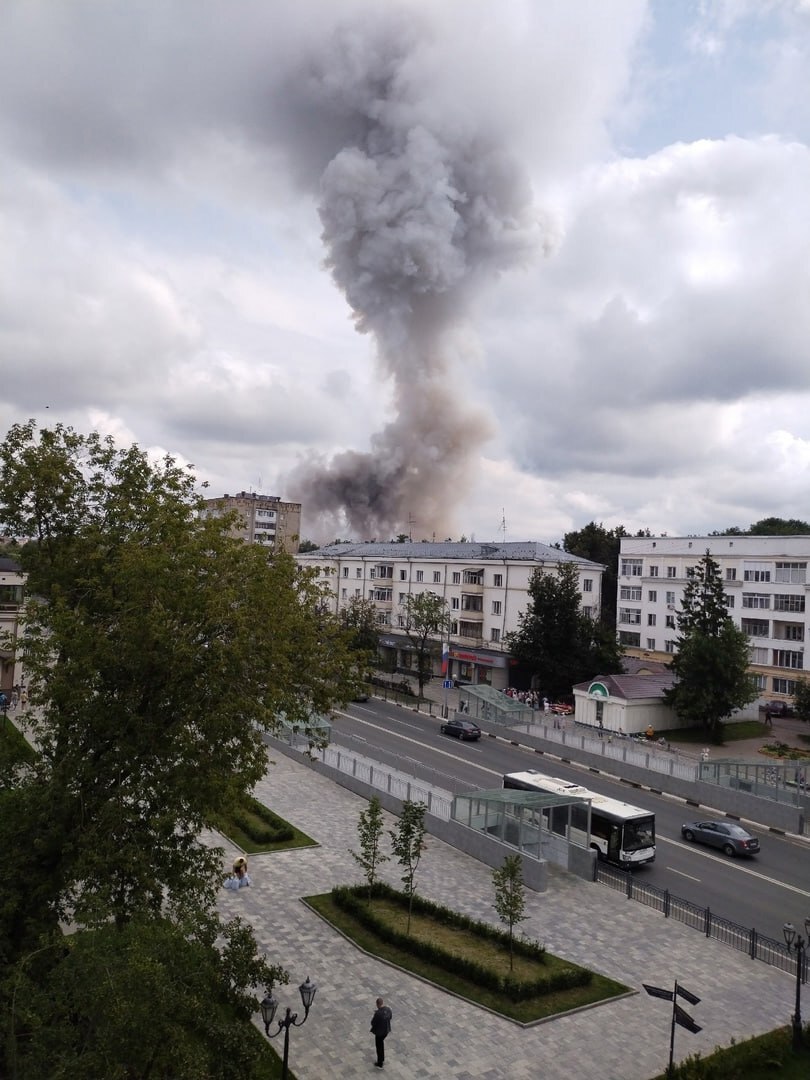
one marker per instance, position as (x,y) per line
(620,833)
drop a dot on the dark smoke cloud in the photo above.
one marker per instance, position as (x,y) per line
(419,205)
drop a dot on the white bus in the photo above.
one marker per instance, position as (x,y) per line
(620,833)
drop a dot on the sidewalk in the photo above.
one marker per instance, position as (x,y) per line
(438,1037)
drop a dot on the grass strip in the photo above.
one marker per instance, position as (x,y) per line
(761,1058)
(256,829)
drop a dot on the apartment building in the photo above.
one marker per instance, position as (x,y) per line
(12,596)
(485,587)
(265,519)
(766,585)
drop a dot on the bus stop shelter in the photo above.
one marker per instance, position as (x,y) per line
(530,821)
(492,707)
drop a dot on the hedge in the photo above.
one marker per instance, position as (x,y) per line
(275,830)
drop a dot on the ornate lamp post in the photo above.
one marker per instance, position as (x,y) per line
(270,1005)
(798,943)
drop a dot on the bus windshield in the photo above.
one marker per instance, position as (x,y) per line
(639,834)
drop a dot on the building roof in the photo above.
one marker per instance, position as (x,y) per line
(632,687)
(516,551)
(10,565)
(640,665)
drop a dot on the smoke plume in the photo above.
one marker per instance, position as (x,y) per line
(420,204)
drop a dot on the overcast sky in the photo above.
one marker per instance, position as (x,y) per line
(448,263)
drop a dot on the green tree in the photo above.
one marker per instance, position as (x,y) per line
(307,545)
(425,616)
(801,699)
(600,545)
(510,897)
(369,831)
(408,844)
(712,657)
(558,643)
(359,619)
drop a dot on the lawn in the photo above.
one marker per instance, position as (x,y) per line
(468,945)
(761,1058)
(739,729)
(247,827)
(13,745)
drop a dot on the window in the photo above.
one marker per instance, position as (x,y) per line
(630,615)
(627,637)
(587,584)
(381,595)
(383,618)
(670,599)
(345,571)
(756,572)
(652,596)
(672,571)
(343,594)
(437,577)
(786,602)
(402,598)
(756,627)
(420,575)
(400,620)
(473,577)
(630,592)
(793,632)
(784,686)
(587,610)
(494,634)
(403,575)
(670,623)
(651,620)
(651,643)
(358,572)
(788,658)
(454,603)
(469,629)
(372,572)
(456,577)
(669,646)
(497,580)
(756,600)
(384,571)
(794,572)
(653,571)
(472,603)
(631,567)
(729,601)
(356,592)
(453,626)
(496,607)
(759,656)
(731,573)
(761,682)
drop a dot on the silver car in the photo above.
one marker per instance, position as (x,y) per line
(730,838)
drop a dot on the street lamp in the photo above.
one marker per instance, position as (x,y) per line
(270,1004)
(799,944)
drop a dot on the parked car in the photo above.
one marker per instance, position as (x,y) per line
(730,838)
(462,729)
(777,708)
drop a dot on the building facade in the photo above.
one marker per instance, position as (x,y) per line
(265,519)
(485,587)
(12,597)
(766,585)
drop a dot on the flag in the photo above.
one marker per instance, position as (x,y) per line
(693,999)
(445,657)
(685,1020)
(656,991)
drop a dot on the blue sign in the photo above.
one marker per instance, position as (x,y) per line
(448,684)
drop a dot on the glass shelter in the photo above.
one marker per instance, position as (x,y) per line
(529,821)
(493,707)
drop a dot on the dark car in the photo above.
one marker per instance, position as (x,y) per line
(462,729)
(777,708)
(730,838)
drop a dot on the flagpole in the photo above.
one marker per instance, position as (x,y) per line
(671,1069)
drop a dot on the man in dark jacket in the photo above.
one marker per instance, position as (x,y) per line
(380,1026)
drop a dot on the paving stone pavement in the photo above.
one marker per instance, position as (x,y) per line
(438,1036)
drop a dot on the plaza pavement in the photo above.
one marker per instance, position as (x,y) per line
(439,1036)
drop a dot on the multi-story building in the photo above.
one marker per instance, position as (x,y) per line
(265,519)
(12,595)
(485,587)
(766,585)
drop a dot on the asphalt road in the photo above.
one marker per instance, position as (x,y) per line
(764,891)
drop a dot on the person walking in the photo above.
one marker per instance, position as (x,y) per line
(380,1028)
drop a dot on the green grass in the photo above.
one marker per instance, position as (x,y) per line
(470,946)
(13,745)
(739,729)
(225,824)
(267,1063)
(762,1058)
(782,750)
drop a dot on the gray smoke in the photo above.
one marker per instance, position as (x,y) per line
(419,205)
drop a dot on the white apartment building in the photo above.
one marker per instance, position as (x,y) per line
(12,597)
(265,519)
(766,585)
(485,587)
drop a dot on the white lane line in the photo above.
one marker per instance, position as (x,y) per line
(672,870)
(733,865)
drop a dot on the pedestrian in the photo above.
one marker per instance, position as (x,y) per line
(3,702)
(380,1029)
(23,699)
(768,718)
(240,878)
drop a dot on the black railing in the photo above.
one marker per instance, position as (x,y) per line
(704,920)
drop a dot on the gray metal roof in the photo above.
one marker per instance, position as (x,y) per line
(522,797)
(633,687)
(516,551)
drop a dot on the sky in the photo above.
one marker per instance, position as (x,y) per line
(431,267)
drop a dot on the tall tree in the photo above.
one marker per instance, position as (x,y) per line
(510,897)
(359,619)
(556,640)
(369,832)
(600,545)
(801,699)
(408,844)
(425,616)
(713,656)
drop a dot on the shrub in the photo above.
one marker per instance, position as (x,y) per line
(268,829)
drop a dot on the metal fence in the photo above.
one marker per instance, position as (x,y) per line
(704,920)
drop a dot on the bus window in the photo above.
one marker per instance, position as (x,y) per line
(613,851)
(639,834)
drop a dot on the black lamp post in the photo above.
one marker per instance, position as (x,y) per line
(799,944)
(270,1004)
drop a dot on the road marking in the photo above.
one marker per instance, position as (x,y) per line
(733,865)
(672,870)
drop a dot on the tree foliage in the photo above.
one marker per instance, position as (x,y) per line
(600,545)
(801,699)
(510,896)
(712,657)
(408,844)
(359,619)
(369,832)
(556,640)
(769,526)
(425,616)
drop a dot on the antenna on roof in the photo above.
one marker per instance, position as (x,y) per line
(503,524)
(411,523)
